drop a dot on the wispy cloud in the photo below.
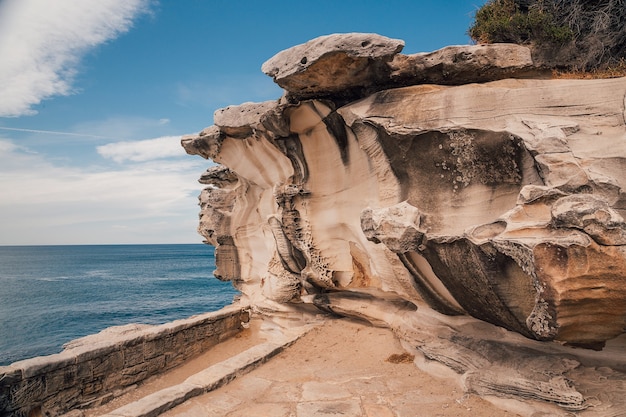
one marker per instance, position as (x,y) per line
(137,202)
(53,132)
(143,150)
(42,42)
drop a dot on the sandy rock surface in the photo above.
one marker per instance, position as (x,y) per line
(345,369)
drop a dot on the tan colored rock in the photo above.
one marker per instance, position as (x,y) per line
(486,206)
(593,215)
(484,190)
(243,120)
(468,184)
(332,64)
(349,66)
(206,144)
(398,227)
(502,200)
(454,65)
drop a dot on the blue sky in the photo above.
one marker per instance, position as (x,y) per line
(95,94)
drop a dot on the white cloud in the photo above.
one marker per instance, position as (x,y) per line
(42,41)
(142,150)
(147,202)
(7,147)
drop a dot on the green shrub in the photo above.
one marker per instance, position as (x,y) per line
(505,21)
(582,35)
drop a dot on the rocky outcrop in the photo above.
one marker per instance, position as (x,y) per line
(460,180)
(356,64)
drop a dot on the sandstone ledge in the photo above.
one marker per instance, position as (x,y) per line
(495,193)
(353,65)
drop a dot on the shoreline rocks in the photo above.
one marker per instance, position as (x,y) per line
(461,180)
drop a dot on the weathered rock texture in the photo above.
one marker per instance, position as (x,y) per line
(502,200)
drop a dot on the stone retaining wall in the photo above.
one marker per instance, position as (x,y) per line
(97,368)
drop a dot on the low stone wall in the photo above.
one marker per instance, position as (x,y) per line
(95,369)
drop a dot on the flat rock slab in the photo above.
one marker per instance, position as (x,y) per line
(332,63)
(345,408)
(342,368)
(346,66)
(208,379)
(464,64)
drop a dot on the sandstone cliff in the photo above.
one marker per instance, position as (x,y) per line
(421,190)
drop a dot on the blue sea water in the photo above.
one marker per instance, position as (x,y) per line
(50,295)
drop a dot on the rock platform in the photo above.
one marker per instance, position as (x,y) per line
(335,367)
(331,366)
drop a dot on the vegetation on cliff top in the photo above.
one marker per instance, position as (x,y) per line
(578,35)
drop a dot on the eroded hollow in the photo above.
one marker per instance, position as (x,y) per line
(460,178)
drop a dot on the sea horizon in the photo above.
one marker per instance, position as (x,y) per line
(100,244)
(52,294)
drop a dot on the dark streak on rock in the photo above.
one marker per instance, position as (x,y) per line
(337,129)
(291,258)
(292,148)
(434,300)
(469,273)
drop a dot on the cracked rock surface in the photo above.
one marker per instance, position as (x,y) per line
(495,193)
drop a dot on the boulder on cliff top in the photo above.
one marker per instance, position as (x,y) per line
(465,64)
(348,66)
(333,63)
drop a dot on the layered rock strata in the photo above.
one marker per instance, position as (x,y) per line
(494,193)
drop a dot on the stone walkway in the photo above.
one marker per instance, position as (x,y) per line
(224,362)
(342,368)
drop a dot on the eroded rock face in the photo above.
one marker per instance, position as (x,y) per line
(435,194)
(496,184)
(503,200)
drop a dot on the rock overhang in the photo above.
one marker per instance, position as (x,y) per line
(490,178)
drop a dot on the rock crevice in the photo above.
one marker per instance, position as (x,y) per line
(462,180)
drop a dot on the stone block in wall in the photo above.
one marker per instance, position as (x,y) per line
(112,382)
(92,387)
(208,341)
(178,339)
(69,397)
(84,371)
(28,391)
(193,348)
(133,354)
(111,363)
(174,358)
(211,329)
(156,364)
(61,379)
(167,342)
(153,348)
(134,374)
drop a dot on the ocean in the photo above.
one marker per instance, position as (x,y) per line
(50,295)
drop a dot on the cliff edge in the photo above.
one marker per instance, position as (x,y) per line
(447,195)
